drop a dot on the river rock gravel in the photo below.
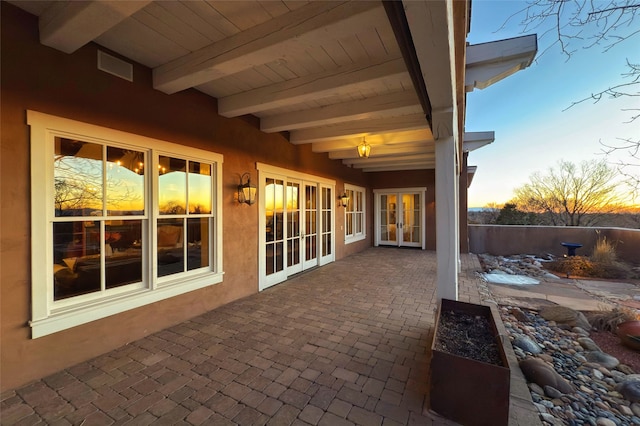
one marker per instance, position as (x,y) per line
(598,395)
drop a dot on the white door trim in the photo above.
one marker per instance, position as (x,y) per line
(267,171)
(399,191)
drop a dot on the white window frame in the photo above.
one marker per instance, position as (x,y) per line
(49,316)
(356,236)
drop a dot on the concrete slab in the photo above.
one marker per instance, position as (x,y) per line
(564,292)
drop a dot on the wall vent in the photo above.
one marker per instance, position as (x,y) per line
(115,66)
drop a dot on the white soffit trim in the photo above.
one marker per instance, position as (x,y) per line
(471,172)
(476,140)
(431,26)
(488,63)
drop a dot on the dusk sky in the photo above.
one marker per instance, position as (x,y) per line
(532,132)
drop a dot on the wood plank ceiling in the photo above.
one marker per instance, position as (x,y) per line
(329,73)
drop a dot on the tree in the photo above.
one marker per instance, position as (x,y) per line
(585,24)
(572,195)
(510,215)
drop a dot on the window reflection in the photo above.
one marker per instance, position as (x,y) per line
(274,226)
(123,252)
(172,185)
(77,253)
(125,182)
(198,243)
(77,178)
(170,246)
(199,188)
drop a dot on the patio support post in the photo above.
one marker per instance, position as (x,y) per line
(447,247)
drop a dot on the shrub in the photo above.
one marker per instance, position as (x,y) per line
(604,252)
(609,320)
(586,267)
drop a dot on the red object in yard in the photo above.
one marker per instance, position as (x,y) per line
(629,334)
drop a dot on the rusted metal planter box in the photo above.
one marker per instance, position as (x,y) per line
(464,390)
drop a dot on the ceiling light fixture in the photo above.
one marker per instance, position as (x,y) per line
(364,149)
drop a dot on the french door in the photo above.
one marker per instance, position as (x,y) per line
(296,222)
(400,217)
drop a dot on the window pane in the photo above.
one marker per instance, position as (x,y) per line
(76,256)
(293,252)
(310,242)
(172,185)
(279,256)
(199,188)
(351,202)
(279,225)
(170,246)
(78,178)
(123,252)
(269,261)
(125,182)
(198,243)
(292,196)
(326,244)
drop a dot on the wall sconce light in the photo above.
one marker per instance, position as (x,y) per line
(344,199)
(246,191)
(364,149)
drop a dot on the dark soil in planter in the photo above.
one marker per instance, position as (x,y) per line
(468,336)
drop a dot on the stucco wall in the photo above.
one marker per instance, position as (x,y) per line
(512,239)
(40,78)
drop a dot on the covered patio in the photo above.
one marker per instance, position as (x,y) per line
(338,345)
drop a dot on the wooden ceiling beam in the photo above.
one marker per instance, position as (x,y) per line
(374,161)
(421,136)
(361,76)
(69,25)
(359,128)
(425,165)
(278,38)
(392,104)
(385,151)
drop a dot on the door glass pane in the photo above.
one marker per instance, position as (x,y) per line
(170,246)
(125,182)
(198,243)
(411,218)
(123,252)
(172,185)
(270,261)
(326,244)
(293,251)
(327,226)
(199,188)
(293,196)
(279,256)
(311,223)
(77,169)
(310,252)
(76,256)
(274,195)
(391,217)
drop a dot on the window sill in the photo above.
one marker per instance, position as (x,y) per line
(72,317)
(355,239)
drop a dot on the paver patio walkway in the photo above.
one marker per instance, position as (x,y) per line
(342,344)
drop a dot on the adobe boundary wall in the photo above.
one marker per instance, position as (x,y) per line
(518,239)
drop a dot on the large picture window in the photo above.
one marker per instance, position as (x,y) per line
(355,229)
(118,221)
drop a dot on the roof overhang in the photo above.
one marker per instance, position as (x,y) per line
(488,63)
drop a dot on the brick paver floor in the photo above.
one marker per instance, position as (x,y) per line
(343,344)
